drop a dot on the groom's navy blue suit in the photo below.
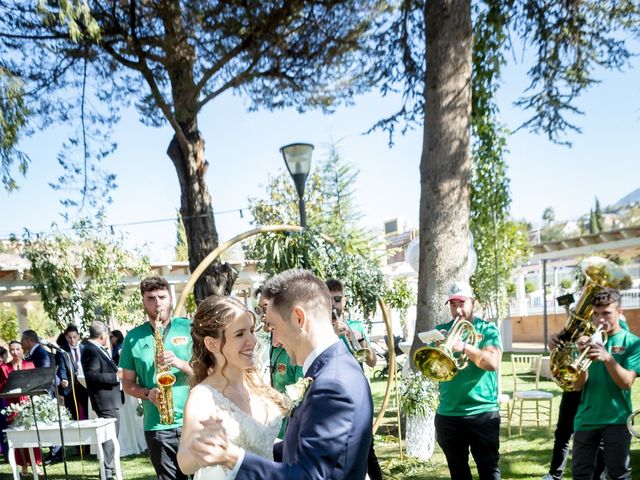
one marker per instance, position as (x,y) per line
(329,434)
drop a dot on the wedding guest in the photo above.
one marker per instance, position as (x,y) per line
(16,363)
(35,352)
(70,372)
(103,383)
(116,340)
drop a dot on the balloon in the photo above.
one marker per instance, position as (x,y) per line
(413,253)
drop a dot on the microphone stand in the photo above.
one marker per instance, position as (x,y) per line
(55,387)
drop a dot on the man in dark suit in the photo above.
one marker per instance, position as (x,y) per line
(103,384)
(35,352)
(329,434)
(69,373)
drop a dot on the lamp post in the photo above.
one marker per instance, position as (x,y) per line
(297,157)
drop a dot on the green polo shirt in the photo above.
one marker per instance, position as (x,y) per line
(283,373)
(603,402)
(473,390)
(356,326)
(138,351)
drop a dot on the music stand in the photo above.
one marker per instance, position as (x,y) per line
(31,383)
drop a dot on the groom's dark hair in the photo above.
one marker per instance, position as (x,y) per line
(294,287)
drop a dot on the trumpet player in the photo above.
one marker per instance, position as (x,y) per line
(468,417)
(350,331)
(353,332)
(606,392)
(138,361)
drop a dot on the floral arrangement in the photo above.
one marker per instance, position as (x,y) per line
(418,394)
(46,408)
(294,393)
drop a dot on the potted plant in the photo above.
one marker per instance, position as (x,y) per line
(418,402)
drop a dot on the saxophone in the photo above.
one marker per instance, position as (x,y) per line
(164,378)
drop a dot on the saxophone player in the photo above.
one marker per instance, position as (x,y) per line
(606,393)
(161,343)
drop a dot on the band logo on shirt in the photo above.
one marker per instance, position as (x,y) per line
(618,349)
(281,368)
(179,340)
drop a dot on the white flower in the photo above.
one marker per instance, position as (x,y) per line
(294,393)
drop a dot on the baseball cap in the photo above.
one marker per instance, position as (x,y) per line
(460,291)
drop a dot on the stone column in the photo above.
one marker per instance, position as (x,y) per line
(23,316)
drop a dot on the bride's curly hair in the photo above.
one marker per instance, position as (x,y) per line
(211,319)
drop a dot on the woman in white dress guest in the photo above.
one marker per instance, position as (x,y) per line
(226,386)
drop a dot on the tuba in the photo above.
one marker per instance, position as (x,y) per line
(633,430)
(164,378)
(566,362)
(438,362)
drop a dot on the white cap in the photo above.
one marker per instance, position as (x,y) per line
(460,291)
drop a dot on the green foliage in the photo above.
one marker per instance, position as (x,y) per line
(8,322)
(400,297)
(312,251)
(418,394)
(74,14)
(548,215)
(14,115)
(500,243)
(331,212)
(529,286)
(181,249)
(99,294)
(565,283)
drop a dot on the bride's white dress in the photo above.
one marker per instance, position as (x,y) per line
(242,429)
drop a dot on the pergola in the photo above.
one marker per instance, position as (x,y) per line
(16,288)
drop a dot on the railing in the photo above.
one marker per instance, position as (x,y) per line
(535,303)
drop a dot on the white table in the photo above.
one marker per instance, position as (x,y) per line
(84,432)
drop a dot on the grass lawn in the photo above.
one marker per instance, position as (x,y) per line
(523,456)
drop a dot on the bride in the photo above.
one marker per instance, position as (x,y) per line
(226,387)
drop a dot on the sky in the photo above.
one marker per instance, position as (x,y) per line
(242,149)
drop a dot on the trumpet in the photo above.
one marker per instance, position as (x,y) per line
(632,429)
(438,362)
(361,354)
(567,374)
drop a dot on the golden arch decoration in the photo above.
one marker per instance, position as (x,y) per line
(209,259)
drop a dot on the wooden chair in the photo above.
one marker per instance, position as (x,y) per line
(529,403)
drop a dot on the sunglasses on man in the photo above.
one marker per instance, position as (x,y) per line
(260,310)
(337,298)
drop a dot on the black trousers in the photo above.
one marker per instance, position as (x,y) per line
(163,449)
(616,440)
(373,466)
(107,447)
(564,429)
(478,434)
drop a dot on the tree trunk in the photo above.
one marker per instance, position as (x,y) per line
(197,215)
(445,166)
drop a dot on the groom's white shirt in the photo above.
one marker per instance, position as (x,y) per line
(315,353)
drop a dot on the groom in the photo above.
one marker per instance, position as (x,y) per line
(329,434)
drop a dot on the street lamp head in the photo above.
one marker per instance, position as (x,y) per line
(297,157)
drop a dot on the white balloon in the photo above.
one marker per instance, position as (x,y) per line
(413,253)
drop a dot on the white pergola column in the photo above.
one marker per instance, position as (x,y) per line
(23,316)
